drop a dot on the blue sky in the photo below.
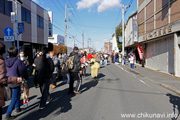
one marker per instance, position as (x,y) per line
(97,17)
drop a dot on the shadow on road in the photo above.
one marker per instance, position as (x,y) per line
(85,87)
(61,103)
(175,101)
(30,98)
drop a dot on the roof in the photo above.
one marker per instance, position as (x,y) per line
(131,16)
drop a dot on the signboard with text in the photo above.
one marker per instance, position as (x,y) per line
(20,28)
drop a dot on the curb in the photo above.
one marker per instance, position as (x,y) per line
(172,89)
(168,87)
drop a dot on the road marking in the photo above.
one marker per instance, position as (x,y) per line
(144,83)
(122,68)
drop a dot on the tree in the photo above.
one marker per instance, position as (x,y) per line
(59,49)
(118,34)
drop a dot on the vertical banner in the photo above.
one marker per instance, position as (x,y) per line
(50,15)
(135,30)
(140,51)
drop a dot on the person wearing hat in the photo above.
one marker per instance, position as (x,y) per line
(75,72)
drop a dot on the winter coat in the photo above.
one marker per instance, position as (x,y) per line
(15,68)
(76,62)
(4,80)
(56,64)
(48,66)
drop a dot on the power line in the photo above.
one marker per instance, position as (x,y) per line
(92,26)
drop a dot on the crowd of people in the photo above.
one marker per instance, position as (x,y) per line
(47,68)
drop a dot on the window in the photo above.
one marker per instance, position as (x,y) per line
(8,7)
(40,22)
(2,6)
(28,16)
(25,15)
(5,7)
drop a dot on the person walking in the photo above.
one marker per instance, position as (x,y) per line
(117,58)
(56,69)
(84,64)
(23,58)
(143,59)
(15,68)
(4,79)
(74,71)
(98,57)
(131,60)
(44,68)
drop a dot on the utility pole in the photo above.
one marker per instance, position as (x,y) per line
(83,38)
(65,36)
(123,7)
(74,41)
(16,20)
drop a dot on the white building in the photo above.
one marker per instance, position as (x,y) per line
(131,30)
(114,44)
(56,39)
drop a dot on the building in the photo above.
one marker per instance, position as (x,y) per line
(131,30)
(131,35)
(114,43)
(36,23)
(108,46)
(159,34)
(56,39)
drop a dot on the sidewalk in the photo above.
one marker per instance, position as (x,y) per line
(167,81)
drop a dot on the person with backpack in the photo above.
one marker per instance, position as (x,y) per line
(74,65)
(44,70)
(4,80)
(56,69)
(15,67)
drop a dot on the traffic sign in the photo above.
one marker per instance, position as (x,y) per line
(20,28)
(8,31)
(8,38)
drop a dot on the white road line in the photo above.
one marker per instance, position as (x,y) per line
(122,68)
(137,78)
(145,83)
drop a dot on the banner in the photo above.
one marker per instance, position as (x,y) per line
(141,51)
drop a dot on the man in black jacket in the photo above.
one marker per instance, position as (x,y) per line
(75,72)
(44,68)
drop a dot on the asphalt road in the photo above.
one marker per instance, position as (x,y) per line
(116,93)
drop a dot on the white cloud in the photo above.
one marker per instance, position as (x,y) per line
(107,4)
(102,4)
(86,4)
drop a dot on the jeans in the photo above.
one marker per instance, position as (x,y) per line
(132,65)
(15,100)
(44,88)
(0,113)
(105,62)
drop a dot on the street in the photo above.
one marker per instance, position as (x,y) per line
(116,93)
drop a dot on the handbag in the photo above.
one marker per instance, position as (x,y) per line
(7,93)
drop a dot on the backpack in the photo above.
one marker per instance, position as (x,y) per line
(70,62)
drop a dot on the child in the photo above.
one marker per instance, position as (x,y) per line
(25,93)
